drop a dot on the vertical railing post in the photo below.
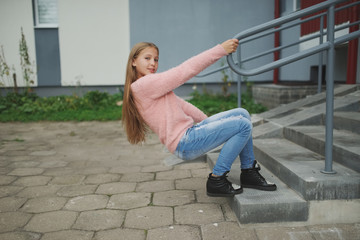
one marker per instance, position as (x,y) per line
(239,90)
(239,78)
(320,67)
(329,91)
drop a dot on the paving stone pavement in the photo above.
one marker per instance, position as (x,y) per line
(84,181)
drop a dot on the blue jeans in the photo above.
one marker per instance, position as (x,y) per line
(233,128)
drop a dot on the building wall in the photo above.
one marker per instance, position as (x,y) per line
(94,41)
(95,37)
(184,28)
(15,15)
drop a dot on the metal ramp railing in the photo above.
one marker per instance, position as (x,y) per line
(327,45)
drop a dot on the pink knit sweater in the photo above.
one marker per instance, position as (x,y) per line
(166,114)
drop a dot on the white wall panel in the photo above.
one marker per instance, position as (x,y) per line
(94,41)
(13,16)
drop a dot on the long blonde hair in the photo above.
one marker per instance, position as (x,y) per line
(133,122)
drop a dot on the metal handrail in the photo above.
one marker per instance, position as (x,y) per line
(279,21)
(305,39)
(328,45)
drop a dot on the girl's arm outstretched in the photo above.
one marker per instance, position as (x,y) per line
(159,84)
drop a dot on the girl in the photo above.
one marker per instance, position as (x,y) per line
(150,103)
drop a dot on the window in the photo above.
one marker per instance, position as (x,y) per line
(297,5)
(46,13)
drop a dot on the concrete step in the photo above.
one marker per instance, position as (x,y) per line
(304,193)
(346,144)
(254,206)
(309,101)
(300,168)
(349,121)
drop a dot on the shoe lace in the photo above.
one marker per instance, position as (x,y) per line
(256,169)
(227,180)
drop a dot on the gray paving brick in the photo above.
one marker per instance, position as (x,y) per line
(43,204)
(10,221)
(24,164)
(51,221)
(175,232)
(125,169)
(32,181)
(20,236)
(155,186)
(68,235)
(87,202)
(198,214)
(126,234)
(67,180)
(26,171)
(7,191)
(227,231)
(53,163)
(156,168)
(102,178)
(60,171)
(115,188)
(43,153)
(10,204)
(99,220)
(286,233)
(4,170)
(173,198)
(16,152)
(200,173)
(39,191)
(129,200)
(335,232)
(191,183)
(3,162)
(149,217)
(203,198)
(193,165)
(228,213)
(92,170)
(137,177)
(173,174)
(20,158)
(76,190)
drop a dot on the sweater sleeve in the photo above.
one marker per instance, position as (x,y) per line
(159,84)
(196,114)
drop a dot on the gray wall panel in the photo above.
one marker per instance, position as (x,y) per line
(48,57)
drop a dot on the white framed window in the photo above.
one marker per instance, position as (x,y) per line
(297,5)
(46,13)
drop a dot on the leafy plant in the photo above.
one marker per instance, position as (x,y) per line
(29,107)
(26,65)
(100,106)
(226,81)
(5,71)
(211,104)
(8,75)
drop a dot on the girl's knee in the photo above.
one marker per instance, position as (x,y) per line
(243,112)
(245,126)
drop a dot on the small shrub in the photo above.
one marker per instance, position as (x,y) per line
(211,104)
(29,107)
(100,106)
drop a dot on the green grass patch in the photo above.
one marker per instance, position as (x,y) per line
(93,106)
(99,106)
(211,104)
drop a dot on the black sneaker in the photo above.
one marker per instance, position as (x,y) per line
(251,178)
(221,187)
